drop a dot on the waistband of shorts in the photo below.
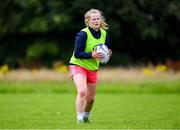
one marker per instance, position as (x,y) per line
(81,66)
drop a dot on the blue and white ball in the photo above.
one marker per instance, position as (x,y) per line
(103,49)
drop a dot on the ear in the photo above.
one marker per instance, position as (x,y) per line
(88,20)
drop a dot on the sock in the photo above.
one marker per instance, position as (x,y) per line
(87,114)
(80,115)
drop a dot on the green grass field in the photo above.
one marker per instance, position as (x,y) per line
(51,105)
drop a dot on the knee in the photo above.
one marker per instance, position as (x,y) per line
(82,93)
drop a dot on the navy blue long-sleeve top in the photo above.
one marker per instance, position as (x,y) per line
(80,43)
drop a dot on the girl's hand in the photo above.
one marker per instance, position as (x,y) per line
(110,52)
(96,55)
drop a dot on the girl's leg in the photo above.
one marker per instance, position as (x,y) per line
(91,93)
(81,85)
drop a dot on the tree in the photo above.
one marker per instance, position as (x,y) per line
(141,31)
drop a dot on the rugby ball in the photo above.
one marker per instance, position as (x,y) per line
(103,49)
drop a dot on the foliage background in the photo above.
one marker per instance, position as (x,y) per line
(39,32)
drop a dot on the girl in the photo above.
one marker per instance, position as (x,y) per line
(84,62)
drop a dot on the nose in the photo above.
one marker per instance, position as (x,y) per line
(97,20)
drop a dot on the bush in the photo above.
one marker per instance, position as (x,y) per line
(42,53)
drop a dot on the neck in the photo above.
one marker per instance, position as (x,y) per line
(95,29)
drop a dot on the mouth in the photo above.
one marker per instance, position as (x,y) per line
(96,24)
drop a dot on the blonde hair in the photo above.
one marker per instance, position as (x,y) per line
(103,24)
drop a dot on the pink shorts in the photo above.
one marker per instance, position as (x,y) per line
(89,74)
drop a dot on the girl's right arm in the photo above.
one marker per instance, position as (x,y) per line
(80,42)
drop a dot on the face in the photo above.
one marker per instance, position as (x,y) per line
(95,20)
